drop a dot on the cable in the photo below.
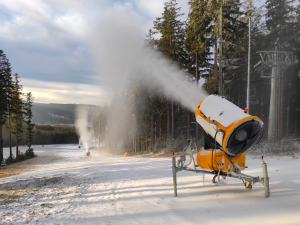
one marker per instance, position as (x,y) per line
(212,155)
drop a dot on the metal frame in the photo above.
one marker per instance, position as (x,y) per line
(249,179)
(276,61)
(271,59)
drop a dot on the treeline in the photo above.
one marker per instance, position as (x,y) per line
(15,109)
(220,56)
(46,134)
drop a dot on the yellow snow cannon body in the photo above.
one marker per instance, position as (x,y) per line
(232,130)
(229,133)
(216,160)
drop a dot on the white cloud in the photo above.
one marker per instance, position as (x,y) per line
(35,9)
(47,45)
(57,92)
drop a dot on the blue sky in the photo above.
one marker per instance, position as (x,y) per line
(47,46)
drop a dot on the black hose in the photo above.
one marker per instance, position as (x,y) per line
(222,151)
(212,155)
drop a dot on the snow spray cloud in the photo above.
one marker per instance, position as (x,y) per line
(117,43)
(81,125)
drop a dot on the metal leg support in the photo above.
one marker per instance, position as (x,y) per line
(266,180)
(174,176)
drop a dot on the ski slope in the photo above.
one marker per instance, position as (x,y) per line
(102,189)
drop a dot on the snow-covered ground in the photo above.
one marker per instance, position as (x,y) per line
(102,189)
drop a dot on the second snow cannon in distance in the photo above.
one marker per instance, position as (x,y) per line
(229,133)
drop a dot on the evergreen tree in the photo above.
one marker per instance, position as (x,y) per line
(234,35)
(280,21)
(17,111)
(3,103)
(28,119)
(171,43)
(199,38)
(150,41)
(5,94)
(9,100)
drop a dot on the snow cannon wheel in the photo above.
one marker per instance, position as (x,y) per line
(214,179)
(248,186)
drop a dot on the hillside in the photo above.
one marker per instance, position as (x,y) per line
(57,113)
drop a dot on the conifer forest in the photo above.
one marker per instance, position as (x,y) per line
(16,118)
(212,47)
(15,110)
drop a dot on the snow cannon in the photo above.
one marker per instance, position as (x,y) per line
(87,152)
(229,132)
(232,128)
(229,129)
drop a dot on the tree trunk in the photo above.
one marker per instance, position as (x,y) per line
(140,142)
(146,134)
(1,142)
(262,107)
(215,65)
(9,124)
(220,52)
(155,136)
(160,133)
(135,144)
(223,84)
(152,140)
(288,110)
(17,144)
(172,112)
(168,120)
(196,125)
(188,126)
(196,69)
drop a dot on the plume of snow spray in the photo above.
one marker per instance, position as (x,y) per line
(117,42)
(118,46)
(81,125)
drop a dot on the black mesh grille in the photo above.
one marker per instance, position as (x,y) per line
(243,137)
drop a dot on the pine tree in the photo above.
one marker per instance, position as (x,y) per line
(5,95)
(280,21)
(150,41)
(199,38)
(17,111)
(234,40)
(3,103)
(171,43)
(28,119)
(9,99)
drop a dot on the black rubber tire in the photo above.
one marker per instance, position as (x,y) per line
(249,187)
(214,179)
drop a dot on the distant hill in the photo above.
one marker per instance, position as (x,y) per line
(55,114)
